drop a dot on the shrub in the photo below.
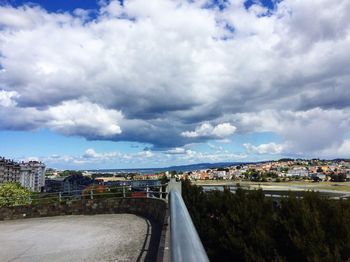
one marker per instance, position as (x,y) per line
(13,194)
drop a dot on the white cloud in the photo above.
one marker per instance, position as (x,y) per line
(13,18)
(92,159)
(70,118)
(176,150)
(93,155)
(336,150)
(7,98)
(193,156)
(138,72)
(224,130)
(76,117)
(30,158)
(303,132)
(344,149)
(270,148)
(207,130)
(90,153)
(145,154)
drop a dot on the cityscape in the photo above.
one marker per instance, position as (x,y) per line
(36,177)
(174,130)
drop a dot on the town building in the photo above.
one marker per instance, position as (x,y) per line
(72,184)
(298,172)
(33,175)
(9,171)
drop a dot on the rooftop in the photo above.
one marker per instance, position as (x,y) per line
(107,237)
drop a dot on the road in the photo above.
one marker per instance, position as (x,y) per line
(110,237)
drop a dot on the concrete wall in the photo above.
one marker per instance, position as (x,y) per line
(147,207)
(154,209)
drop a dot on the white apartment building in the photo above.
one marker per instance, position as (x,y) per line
(9,171)
(298,171)
(33,175)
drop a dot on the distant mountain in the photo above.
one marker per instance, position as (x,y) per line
(202,166)
(181,168)
(341,159)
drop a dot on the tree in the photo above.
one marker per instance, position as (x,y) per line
(13,194)
(248,226)
(70,172)
(319,170)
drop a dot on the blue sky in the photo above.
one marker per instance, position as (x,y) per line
(111,84)
(54,6)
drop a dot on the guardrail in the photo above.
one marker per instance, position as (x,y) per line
(185,242)
(157,191)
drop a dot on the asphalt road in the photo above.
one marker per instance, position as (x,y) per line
(110,237)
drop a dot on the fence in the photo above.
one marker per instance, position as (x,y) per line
(185,244)
(95,192)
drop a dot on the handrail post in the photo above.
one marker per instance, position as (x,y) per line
(91,194)
(123,191)
(161,192)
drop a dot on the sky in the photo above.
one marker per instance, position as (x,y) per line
(127,84)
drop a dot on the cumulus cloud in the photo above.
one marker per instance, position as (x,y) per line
(270,148)
(176,150)
(207,130)
(84,118)
(303,132)
(7,98)
(70,118)
(92,159)
(90,153)
(139,72)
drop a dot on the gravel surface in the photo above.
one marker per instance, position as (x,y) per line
(110,237)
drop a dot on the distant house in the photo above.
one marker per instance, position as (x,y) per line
(211,174)
(221,174)
(297,171)
(131,183)
(318,176)
(68,184)
(204,175)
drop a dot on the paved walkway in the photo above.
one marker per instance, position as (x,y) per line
(110,237)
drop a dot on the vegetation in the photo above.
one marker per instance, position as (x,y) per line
(70,172)
(93,176)
(247,226)
(13,194)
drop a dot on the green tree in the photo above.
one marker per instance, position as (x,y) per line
(13,194)
(173,173)
(247,226)
(70,172)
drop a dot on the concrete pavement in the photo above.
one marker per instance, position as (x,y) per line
(109,237)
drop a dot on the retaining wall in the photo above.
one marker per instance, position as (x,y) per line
(153,209)
(147,207)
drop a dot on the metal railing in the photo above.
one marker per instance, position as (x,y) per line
(156,191)
(185,242)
